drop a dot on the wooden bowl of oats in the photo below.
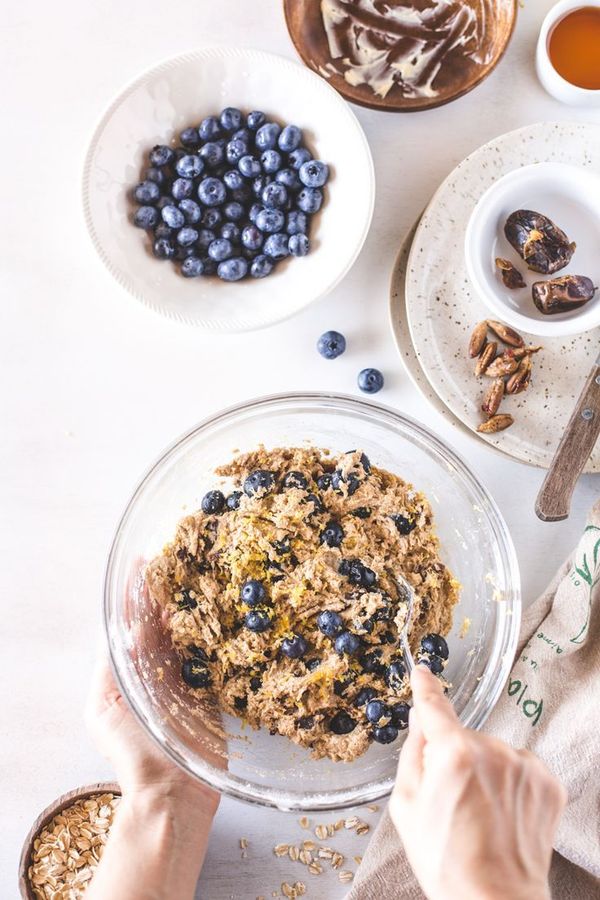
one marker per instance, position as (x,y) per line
(65,843)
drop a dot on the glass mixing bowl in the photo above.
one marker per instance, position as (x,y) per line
(475,544)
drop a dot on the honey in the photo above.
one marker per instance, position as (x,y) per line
(574,47)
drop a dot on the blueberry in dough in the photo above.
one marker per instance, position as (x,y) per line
(260,483)
(347,643)
(295,647)
(342,723)
(433,663)
(395,675)
(364,695)
(386,734)
(404,525)
(295,480)
(253,592)
(435,645)
(329,623)
(377,712)
(195,673)
(257,620)
(213,502)
(400,712)
(332,534)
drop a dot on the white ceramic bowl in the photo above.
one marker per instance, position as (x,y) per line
(557,86)
(182,91)
(569,196)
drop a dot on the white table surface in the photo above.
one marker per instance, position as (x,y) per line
(91,380)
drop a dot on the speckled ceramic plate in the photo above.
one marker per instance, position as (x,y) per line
(441,307)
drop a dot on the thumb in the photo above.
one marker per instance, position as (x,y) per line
(434,711)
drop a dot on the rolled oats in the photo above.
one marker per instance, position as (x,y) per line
(67,850)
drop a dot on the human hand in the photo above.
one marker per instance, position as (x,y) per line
(477,818)
(140,766)
(157,843)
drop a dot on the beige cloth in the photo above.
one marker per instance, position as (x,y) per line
(551,705)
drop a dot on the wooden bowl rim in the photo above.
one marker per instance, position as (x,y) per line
(53,809)
(382,105)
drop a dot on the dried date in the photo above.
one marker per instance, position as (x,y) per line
(542,244)
(511,277)
(562,294)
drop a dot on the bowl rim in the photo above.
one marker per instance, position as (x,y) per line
(581,321)
(53,809)
(502,657)
(131,285)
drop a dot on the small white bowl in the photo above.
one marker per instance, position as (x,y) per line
(180,92)
(569,196)
(557,86)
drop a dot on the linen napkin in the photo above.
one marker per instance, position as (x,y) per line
(551,706)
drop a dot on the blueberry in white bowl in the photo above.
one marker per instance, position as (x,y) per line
(189,183)
(264,89)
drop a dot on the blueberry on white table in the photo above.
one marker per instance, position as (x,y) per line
(370,380)
(290,138)
(331,344)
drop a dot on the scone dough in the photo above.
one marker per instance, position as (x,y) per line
(276,537)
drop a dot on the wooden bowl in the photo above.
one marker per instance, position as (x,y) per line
(82,793)
(457,74)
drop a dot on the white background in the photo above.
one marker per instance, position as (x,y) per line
(93,385)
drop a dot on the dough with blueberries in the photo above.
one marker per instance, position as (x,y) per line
(282,598)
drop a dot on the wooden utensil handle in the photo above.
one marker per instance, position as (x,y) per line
(554,499)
